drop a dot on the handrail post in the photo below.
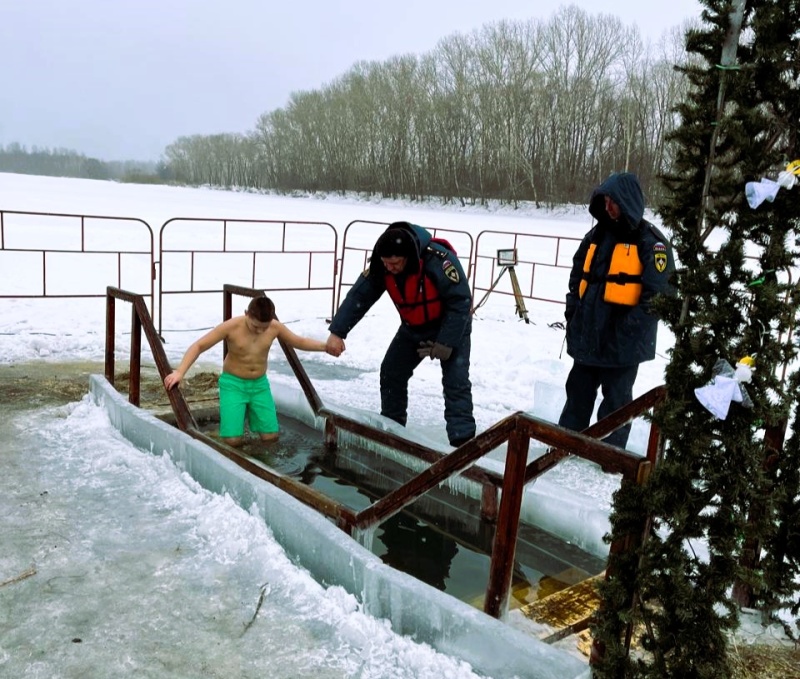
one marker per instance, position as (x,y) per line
(505,536)
(110,333)
(488,501)
(227,313)
(631,541)
(135,378)
(143,321)
(655,445)
(331,436)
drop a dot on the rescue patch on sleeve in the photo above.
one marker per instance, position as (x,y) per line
(450,271)
(365,273)
(660,257)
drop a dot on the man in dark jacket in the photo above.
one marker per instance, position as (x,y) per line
(620,265)
(428,287)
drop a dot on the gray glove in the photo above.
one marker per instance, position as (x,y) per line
(431,349)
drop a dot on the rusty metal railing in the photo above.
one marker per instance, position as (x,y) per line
(255,248)
(518,430)
(141,320)
(539,257)
(53,251)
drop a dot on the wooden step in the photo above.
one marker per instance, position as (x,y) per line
(524,592)
(567,611)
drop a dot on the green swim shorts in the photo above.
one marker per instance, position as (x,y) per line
(238,398)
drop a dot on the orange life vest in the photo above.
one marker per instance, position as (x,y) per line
(418,302)
(623,278)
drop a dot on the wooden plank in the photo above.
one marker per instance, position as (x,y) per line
(567,608)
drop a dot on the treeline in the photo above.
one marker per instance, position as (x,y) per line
(68,163)
(530,110)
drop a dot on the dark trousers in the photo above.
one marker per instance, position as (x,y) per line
(582,385)
(398,365)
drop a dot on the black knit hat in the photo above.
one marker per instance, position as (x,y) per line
(395,243)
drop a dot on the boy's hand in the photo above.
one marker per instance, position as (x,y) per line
(173,379)
(335,345)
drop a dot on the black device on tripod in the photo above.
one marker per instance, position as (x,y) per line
(507,260)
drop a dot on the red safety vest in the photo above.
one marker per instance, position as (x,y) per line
(418,302)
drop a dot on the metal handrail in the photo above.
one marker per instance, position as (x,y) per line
(141,319)
(518,430)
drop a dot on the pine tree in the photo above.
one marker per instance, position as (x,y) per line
(715,493)
(775,97)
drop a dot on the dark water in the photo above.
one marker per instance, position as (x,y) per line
(439,539)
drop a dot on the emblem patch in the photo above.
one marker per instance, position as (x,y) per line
(660,257)
(365,273)
(450,271)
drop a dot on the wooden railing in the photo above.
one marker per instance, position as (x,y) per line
(141,319)
(518,430)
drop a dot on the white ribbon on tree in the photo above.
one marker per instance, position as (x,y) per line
(767,189)
(726,387)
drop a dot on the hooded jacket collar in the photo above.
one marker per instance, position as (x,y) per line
(624,189)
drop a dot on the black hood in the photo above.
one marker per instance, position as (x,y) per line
(624,189)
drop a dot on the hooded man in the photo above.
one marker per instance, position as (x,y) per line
(619,267)
(428,287)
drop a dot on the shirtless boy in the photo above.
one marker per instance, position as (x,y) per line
(243,385)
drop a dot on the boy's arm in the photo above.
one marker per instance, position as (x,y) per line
(193,352)
(298,342)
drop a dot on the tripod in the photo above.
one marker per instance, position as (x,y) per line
(519,300)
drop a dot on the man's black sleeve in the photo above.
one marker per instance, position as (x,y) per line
(364,293)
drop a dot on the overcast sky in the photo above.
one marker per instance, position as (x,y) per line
(122,79)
